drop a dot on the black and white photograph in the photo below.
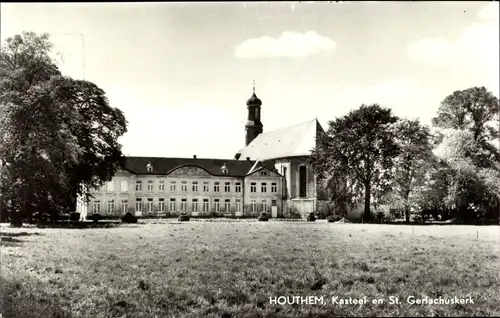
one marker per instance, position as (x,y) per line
(249,159)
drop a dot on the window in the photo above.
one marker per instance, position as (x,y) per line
(253,206)
(111,206)
(227,205)
(256,113)
(138,205)
(138,186)
(302,182)
(264,173)
(238,205)
(172,186)
(150,169)
(172,207)
(110,186)
(205,205)
(263,187)
(150,204)
(124,186)
(205,186)
(161,205)
(184,186)
(124,206)
(237,187)
(216,186)
(274,187)
(195,205)
(195,186)
(227,187)
(150,186)
(97,206)
(183,205)
(264,206)
(216,205)
(161,186)
(253,187)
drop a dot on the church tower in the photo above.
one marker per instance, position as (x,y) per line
(253,126)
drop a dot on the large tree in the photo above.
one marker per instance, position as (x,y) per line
(58,135)
(358,149)
(414,141)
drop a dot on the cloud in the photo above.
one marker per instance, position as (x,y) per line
(289,44)
(476,49)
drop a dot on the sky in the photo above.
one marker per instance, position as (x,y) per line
(182,72)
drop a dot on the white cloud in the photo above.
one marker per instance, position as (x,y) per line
(289,44)
(476,49)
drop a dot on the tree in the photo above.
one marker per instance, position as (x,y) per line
(413,140)
(358,149)
(476,110)
(58,136)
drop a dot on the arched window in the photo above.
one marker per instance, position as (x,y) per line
(302,182)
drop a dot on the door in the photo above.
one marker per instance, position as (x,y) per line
(274,211)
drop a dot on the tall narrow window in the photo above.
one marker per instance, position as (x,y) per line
(263,187)
(161,205)
(302,182)
(124,186)
(172,206)
(205,186)
(138,185)
(264,206)
(184,186)
(253,206)
(161,186)
(216,187)
(111,206)
(124,206)
(172,186)
(138,205)
(195,205)
(227,187)
(150,204)
(205,205)
(238,205)
(195,186)
(183,205)
(274,187)
(227,205)
(216,205)
(150,186)
(97,206)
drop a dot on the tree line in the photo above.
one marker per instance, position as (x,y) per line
(450,170)
(58,135)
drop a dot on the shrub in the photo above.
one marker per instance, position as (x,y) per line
(183,216)
(129,218)
(263,217)
(95,217)
(311,217)
(74,216)
(333,218)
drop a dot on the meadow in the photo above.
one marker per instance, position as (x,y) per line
(231,269)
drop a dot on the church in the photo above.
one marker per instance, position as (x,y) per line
(270,174)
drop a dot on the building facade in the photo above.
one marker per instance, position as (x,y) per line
(159,187)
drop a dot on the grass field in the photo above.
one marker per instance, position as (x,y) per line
(217,269)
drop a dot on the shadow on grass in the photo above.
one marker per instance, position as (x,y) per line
(18,234)
(20,301)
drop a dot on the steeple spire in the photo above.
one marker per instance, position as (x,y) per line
(254,86)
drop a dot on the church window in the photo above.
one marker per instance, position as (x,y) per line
(302,182)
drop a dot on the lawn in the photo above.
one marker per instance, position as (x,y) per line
(222,269)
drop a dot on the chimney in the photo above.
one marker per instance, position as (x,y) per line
(248,158)
(194,156)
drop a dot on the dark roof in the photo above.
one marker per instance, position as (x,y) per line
(236,168)
(254,100)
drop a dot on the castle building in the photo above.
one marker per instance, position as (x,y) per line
(270,174)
